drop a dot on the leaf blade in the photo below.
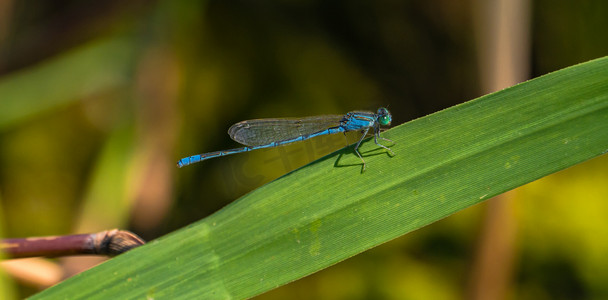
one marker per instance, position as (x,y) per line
(328,211)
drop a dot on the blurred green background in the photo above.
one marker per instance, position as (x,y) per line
(99,100)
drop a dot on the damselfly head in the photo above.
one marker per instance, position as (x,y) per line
(384,117)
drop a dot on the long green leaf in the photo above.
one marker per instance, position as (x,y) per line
(328,211)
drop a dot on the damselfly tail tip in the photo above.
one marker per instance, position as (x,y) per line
(182,163)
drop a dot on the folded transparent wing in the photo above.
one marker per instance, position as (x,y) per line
(265,131)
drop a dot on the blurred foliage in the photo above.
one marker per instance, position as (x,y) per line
(87,87)
(7,290)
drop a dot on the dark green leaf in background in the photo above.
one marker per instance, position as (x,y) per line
(99,66)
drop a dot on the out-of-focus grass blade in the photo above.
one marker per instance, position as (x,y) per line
(7,290)
(64,79)
(328,211)
(106,202)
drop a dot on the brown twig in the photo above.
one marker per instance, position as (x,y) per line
(109,242)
